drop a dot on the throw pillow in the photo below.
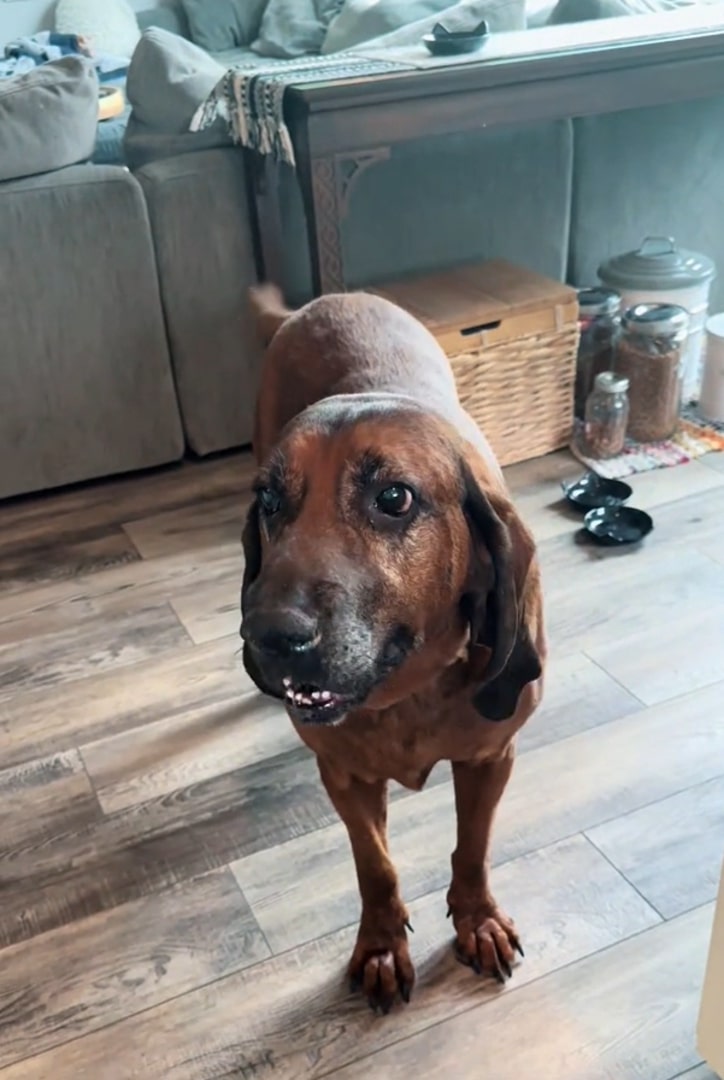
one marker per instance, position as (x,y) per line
(216,25)
(168,79)
(292,28)
(501,15)
(48,118)
(111,25)
(573,11)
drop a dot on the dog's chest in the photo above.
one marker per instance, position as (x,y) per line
(405,743)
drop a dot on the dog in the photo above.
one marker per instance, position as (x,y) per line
(391,598)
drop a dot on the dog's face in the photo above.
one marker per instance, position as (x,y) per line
(363,577)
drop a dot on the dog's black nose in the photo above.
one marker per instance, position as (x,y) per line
(282,633)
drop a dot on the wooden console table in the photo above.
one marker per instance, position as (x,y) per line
(341,128)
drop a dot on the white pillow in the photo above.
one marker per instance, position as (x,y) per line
(111,25)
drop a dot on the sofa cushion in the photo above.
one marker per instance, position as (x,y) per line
(216,25)
(110,24)
(292,28)
(573,11)
(168,79)
(393,23)
(48,118)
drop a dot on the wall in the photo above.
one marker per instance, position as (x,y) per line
(27,16)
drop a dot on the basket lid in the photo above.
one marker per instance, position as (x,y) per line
(657,264)
(475,296)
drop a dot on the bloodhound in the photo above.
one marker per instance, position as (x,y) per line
(391,599)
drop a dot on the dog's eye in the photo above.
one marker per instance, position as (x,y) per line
(395,501)
(269,501)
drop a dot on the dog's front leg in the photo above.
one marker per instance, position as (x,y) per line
(380,963)
(486,937)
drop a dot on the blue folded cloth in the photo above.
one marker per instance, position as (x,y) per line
(25,53)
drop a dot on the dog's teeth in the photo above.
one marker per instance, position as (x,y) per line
(287,682)
(325,695)
(290,693)
(316,695)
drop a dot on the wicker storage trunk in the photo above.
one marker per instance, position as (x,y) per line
(512,337)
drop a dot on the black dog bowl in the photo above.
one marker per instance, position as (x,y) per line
(617,525)
(592,491)
(443,42)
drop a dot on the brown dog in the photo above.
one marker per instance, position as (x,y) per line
(391,598)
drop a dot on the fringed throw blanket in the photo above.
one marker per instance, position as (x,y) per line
(250,98)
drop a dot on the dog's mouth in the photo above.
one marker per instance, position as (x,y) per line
(314,704)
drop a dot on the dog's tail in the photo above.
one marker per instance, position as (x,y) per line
(268,309)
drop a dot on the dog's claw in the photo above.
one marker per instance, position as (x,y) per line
(405,992)
(449,913)
(409,926)
(506,967)
(517,946)
(475,965)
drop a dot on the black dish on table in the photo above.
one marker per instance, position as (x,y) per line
(617,525)
(444,42)
(592,491)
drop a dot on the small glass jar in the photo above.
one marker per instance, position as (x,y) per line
(650,353)
(606,416)
(598,323)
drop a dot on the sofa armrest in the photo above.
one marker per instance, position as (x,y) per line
(202,235)
(85,375)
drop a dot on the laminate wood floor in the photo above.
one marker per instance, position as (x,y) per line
(177,895)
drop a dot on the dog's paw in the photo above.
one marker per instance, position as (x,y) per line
(486,940)
(380,965)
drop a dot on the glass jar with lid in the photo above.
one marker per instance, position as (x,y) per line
(606,416)
(650,354)
(661,272)
(598,322)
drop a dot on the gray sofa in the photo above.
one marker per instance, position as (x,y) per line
(86,384)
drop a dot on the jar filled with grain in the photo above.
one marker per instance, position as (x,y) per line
(606,416)
(599,323)
(650,352)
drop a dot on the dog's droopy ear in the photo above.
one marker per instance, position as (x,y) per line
(501,553)
(268,310)
(251,543)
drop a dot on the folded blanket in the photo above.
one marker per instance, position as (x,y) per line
(26,53)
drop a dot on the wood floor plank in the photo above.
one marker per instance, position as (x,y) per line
(116,964)
(155,760)
(139,583)
(672,850)
(625,1013)
(39,798)
(42,658)
(181,684)
(125,498)
(190,528)
(682,653)
(701,1072)
(656,753)
(297,1019)
(209,612)
(630,597)
(578,695)
(70,873)
(63,555)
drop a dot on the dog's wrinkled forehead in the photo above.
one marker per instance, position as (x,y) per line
(379,433)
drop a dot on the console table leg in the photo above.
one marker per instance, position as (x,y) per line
(324,225)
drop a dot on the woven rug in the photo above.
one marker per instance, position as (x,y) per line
(694,438)
(250,97)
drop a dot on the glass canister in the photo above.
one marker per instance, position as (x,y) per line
(660,272)
(650,353)
(606,416)
(598,322)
